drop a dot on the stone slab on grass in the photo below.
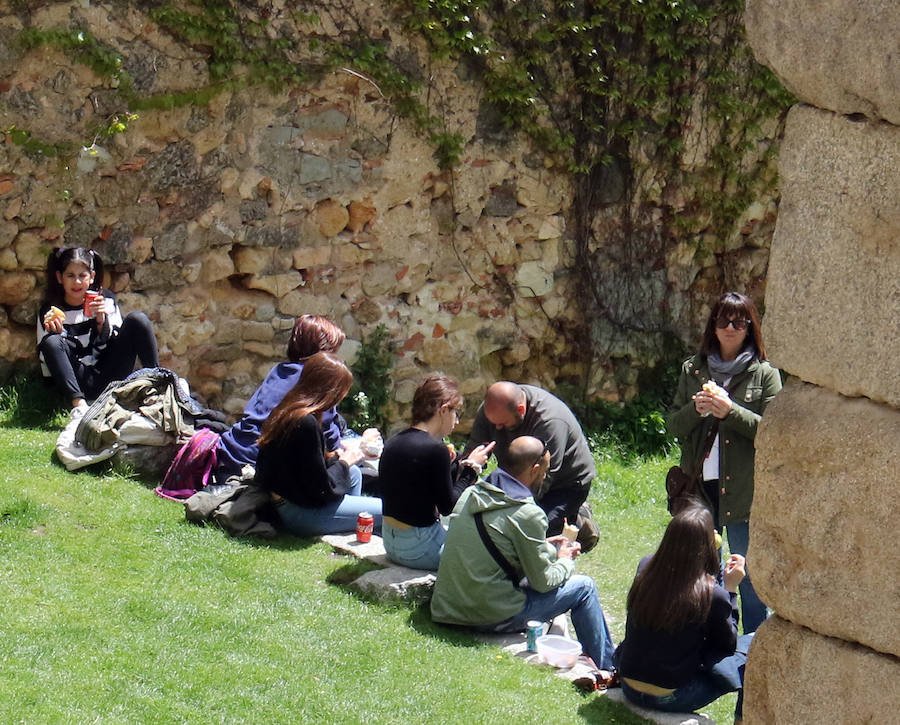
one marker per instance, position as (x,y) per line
(661,718)
(396,583)
(392,583)
(372,551)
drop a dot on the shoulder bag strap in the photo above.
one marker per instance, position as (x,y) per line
(501,560)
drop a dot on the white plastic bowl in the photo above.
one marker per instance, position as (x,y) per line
(558,651)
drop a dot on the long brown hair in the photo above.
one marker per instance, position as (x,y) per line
(675,588)
(324,382)
(733,305)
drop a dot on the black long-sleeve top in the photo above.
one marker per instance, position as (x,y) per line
(295,467)
(418,481)
(670,659)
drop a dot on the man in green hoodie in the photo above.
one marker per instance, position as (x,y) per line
(528,576)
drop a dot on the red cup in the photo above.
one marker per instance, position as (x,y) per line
(89,297)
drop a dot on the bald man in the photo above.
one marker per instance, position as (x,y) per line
(511,410)
(499,569)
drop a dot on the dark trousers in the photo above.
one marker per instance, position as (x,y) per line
(135,340)
(561,504)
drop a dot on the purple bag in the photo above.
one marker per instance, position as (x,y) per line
(192,466)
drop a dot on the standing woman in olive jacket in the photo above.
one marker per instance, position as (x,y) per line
(732,355)
(312,488)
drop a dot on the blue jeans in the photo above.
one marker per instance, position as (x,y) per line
(418,548)
(577,594)
(334,518)
(727,675)
(753,611)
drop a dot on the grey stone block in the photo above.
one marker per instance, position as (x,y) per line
(372,551)
(661,718)
(396,583)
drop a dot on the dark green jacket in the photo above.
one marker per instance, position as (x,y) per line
(751,392)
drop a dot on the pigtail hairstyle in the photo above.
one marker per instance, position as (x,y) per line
(675,587)
(53,292)
(324,382)
(96,266)
(57,261)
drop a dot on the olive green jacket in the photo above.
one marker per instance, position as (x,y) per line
(751,392)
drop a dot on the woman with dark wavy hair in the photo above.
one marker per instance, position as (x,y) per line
(313,490)
(238,445)
(722,394)
(681,649)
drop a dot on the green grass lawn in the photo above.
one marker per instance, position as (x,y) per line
(116,610)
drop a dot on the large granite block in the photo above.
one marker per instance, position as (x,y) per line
(795,676)
(833,290)
(824,514)
(833,54)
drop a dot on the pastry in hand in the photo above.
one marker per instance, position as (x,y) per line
(54,313)
(570,532)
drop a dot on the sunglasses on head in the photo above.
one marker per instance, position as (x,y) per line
(541,457)
(739,325)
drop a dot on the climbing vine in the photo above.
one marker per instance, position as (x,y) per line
(640,101)
(655,107)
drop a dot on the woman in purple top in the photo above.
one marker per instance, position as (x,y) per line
(420,477)
(238,445)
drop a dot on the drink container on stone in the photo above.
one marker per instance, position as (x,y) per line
(534,629)
(365,524)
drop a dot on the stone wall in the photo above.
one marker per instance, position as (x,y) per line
(828,449)
(225,221)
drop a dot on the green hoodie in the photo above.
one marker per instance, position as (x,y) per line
(471,588)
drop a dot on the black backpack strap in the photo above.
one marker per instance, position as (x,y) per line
(494,551)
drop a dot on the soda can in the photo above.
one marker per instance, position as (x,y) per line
(89,297)
(365,524)
(534,629)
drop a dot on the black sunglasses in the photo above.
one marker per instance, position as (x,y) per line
(739,325)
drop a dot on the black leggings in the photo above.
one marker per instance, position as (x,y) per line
(135,340)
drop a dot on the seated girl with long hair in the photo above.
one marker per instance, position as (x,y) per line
(313,490)
(681,649)
(420,479)
(83,343)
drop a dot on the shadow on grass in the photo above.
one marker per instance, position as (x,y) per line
(601,710)
(420,620)
(27,401)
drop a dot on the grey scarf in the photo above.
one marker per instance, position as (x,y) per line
(722,370)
